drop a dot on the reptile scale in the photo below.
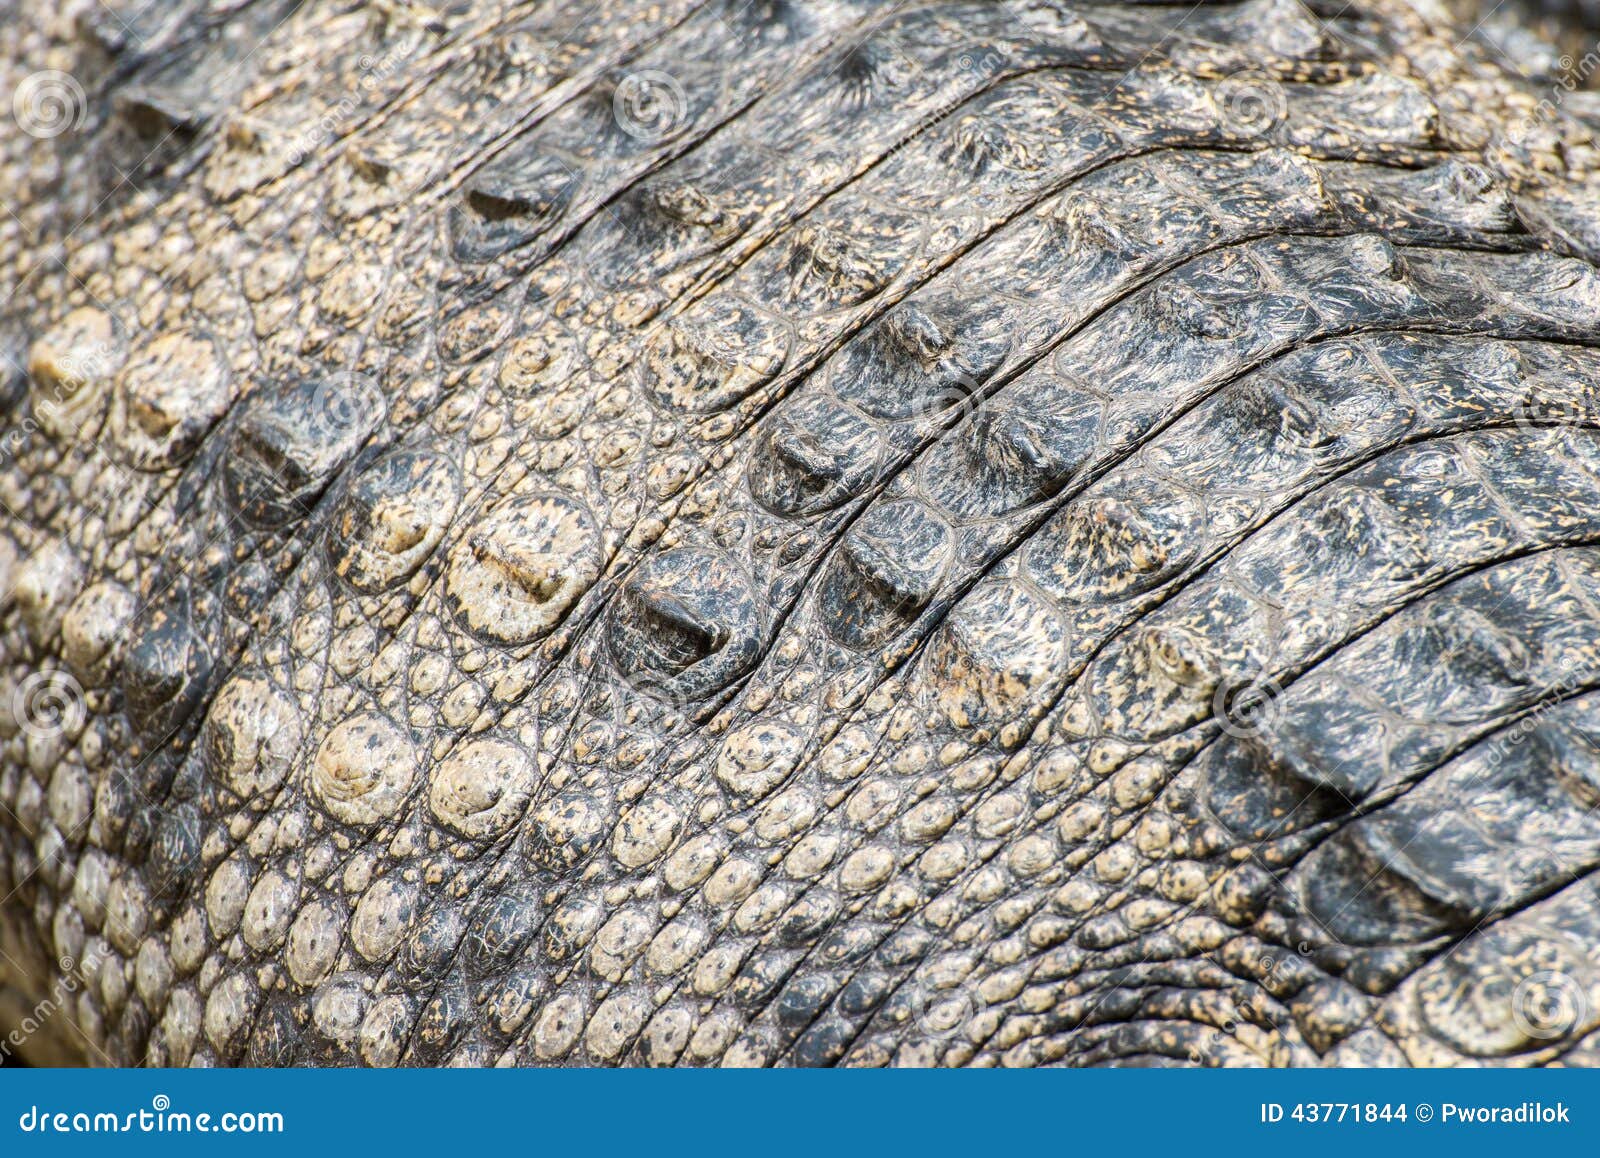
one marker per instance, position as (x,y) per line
(762,532)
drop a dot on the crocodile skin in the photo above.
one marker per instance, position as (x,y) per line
(750,532)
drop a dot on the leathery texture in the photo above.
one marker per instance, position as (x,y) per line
(757,532)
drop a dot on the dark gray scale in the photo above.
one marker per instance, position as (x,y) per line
(1433,505)
(1377,117)
(1451,203)
(684,625)
(1012,453)
(999,139)
(174,863)
(1227,37)
(169,103)
(1213,313)
(1550,476)
(430,949)
(1356,286)
(1476,663)
(292,441)
(842,255)
(1119,218)
(166,669)
(276,1037)
(1512,295)
(883,573)
(510,202)
(931,56)
(1317,753)
(1115,541)
(1541,385)
(1517,989)
(500,931)
(812,456)
(1352,535)
(1382,713)
(714,355)
(923,358)
(1337,562)
(1283,424)
(661,226)
(442,1023)
(702,74)
(390,519)
(1464,840)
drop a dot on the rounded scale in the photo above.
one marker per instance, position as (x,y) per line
(167,398)
(993,655)
(1508,990)
(94,631)
(292,440)
(812,456)
(168,663)
(517,573)
(363,770)
(69,366)
(251,734)
(44,586)
(1008,456)
(482,788)
(1115,541)
(392,518)
(884,573)
(684,625)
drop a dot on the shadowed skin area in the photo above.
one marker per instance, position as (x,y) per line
(761,533)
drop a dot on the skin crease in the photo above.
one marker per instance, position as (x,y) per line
(796,534)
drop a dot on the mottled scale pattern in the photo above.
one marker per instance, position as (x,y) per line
(748,532)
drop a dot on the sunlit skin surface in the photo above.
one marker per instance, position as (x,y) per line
(696,533)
